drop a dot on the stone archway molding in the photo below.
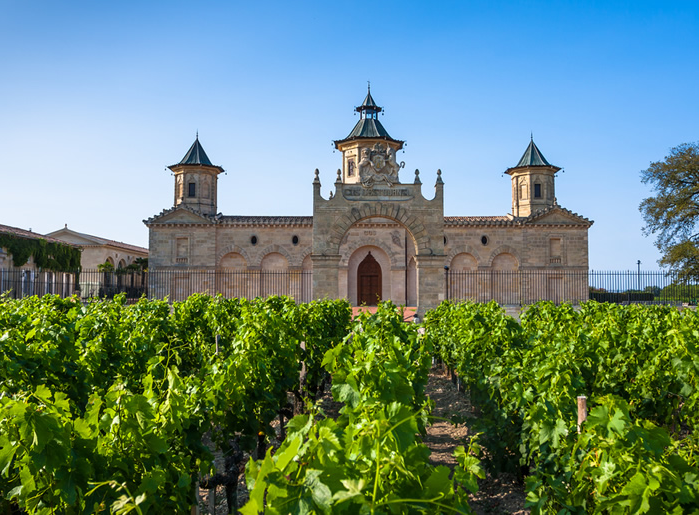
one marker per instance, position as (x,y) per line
(269,250)
(369,242)
(462,249)
(303,255)
(399,214)
(233,248)
(504,249)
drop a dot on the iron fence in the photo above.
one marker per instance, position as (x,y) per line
(179,284)
(174,284)
(520,287)
(524,287)
(19,282)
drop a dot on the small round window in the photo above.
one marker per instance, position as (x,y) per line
(295,240)
(484,240)
(253,240)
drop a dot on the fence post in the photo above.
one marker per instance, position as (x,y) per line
(582,410)
(446,283)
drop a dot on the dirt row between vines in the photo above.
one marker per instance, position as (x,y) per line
(499,495)
(496,496)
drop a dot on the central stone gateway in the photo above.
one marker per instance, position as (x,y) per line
(368,187)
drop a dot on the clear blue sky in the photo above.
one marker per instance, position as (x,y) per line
(97,98)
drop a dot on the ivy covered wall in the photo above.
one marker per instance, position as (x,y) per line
(47,255)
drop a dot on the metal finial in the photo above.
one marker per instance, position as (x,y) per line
(531,135)
(197,133)
(368,86)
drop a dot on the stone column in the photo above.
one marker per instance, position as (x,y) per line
(325,276)
(431,289)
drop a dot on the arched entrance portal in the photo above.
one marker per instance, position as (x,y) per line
(369,281)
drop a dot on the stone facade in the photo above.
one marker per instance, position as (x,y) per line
(97,251)
(373,234)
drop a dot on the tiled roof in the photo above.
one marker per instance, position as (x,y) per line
(237,220)
(267,220)
(112,243)
(29,235)
(479,220)
(511,220)
(459,219)
(308,220)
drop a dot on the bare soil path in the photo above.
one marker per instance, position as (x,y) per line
(499,495)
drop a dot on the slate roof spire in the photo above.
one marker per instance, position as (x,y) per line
(368,126)
(368,107)
(532,156)
(196,155)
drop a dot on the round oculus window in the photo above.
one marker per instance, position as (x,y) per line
(484,240)
(295,240)
(253,240)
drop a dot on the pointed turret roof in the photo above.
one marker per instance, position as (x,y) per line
(368,103)
(368,126)
(533,157)
(196,156)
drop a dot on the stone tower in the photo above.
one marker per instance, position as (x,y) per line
(196,181)
(368,147)
(533,183)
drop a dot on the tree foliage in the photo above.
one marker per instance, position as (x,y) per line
(673,213)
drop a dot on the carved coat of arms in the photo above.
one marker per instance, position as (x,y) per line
(379,165)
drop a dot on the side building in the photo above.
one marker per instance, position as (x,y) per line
(34,264)
(99,251)
(108,267)
(374,238)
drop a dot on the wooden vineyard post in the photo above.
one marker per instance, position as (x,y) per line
(197,498)
(298,403)
(212,500)
(582,410)
(218,341)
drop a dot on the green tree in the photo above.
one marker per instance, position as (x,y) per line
(673,213)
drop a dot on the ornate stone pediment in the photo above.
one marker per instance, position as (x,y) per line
(179,215)
(379,165)
(556,215)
